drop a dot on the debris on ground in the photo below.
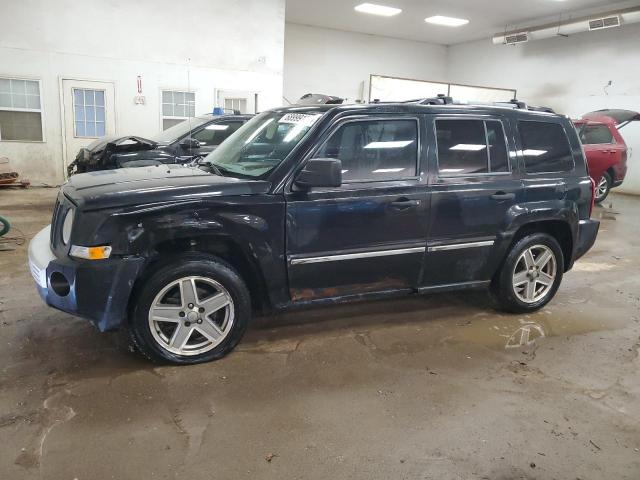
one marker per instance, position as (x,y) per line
(270,457)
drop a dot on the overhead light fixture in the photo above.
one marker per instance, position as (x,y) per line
(446,21)
(468,147)
(374,9)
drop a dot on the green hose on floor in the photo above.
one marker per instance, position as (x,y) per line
(5,226)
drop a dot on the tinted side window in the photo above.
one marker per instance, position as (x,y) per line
(216,133)
(545,147)
(374,150)
(596,135)
(462,147)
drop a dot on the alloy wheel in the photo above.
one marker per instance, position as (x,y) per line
(191,316)
(534,274)
(602,188)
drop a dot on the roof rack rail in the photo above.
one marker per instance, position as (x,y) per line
(523,106)
(441,99)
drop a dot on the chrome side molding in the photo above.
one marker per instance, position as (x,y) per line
(354,256)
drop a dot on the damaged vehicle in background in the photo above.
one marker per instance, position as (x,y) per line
(179,144)
(605,148)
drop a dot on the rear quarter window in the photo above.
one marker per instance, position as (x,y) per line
(545,147)
(595,135)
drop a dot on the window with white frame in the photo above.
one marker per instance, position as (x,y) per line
(232,105)
(88,107)
(20,110)
(177,107)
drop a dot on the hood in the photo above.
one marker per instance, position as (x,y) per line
(616,116)
(157,184)
(129,143)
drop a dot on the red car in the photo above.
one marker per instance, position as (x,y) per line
(605,148)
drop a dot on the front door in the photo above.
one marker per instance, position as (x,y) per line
(369,235)
(473,190)
(89,113)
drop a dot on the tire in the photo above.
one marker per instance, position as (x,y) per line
(5,226)
(603,187)
(169,323)
(509,291)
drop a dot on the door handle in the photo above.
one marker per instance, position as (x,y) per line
(404,204)
(501,196)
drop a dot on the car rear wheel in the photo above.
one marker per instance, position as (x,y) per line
(530,275)
(603,187)
(192,311)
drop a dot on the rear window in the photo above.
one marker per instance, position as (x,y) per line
(595,134)
(545,147)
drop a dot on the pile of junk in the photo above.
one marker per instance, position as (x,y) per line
(10,178)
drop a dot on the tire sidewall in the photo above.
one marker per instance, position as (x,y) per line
(208,267)
(506,292)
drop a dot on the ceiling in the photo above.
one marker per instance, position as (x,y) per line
(487,17)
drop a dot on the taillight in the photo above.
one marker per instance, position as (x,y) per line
(593,195)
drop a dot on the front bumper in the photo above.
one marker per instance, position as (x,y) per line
(587,233)
(96,290)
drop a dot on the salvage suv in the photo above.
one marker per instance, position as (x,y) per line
(320,204)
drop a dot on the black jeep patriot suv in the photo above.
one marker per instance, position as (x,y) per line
(304,205)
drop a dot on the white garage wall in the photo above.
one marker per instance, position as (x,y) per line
(231,44)
(319,60)
(568,74)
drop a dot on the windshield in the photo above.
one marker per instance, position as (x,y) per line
(171,134)
(262,143)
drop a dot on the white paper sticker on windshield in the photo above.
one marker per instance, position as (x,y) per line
(302,119)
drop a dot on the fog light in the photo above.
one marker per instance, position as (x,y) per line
(59,284)
(90,253)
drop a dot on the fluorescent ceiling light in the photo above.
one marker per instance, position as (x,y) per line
(467,147)
(533,153)
(446,21)
(374,9)
(452,170)
(216,127)
(398,144)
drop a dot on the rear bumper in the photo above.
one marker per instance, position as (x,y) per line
(587,233)
(96,290)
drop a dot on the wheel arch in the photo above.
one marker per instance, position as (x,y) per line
(558,229)
(221,247)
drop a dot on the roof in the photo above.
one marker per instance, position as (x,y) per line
(417,108)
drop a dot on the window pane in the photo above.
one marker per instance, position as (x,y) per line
(376,150)
(33,102)
(5,85)
(99,129)
(179,111)
(88,97)
(79,114)
(78,97)
(191,111)
(100,114)
(167,123)
(91,129)
(190,97)
(178,98)
(545,147)
(20,126)
(90,114)
(167,97)
(5,100)
(497,147)
(99,98)
(167,109)
(32,87)
(18,87)
(80,131)
(462,147)
(19,101)
(596,135)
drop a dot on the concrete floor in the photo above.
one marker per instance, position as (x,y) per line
(437,387)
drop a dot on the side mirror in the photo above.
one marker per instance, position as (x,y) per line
(190,143)
(320,172)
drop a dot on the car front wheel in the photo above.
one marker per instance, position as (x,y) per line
(192,311)
(603,187)
(530,275)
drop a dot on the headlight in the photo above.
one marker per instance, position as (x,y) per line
(66,226)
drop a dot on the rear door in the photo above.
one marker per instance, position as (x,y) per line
(368,235)
(473,190)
